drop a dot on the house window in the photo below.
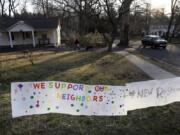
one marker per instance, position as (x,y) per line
(26,35)
(44,36)
(35,33)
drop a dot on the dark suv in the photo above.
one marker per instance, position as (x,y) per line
(154,41)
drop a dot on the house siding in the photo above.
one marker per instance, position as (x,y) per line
(4,39)
(160,29)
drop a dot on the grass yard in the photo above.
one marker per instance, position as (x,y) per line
(79,67)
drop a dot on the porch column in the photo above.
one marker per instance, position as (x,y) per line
(10,40)
(34,42)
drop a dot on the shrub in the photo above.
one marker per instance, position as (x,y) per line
(92,39)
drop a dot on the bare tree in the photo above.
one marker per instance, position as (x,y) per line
(124,12)
(140,16)
(44,6)
(117,12)
(2,7)
(12,7)
(105,15)
(83,9)
(173,13)
(24,7)
(112,21)
(176,21)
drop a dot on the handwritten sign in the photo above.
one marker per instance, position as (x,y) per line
(67,98)
(29,98)
(152,93)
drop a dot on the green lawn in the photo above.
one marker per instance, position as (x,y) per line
(80,67)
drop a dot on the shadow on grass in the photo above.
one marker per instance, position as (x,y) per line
(51,67)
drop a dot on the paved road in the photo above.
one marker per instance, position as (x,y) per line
(171,55)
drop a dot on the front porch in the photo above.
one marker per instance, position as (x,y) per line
(21,38)
(34,39)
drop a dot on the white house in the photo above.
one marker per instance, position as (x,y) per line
(35,32)
(160,29)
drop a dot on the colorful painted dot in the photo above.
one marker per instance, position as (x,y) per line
(72,105)
(77,110)
(48,109)
(82,104)
(37,105)
(121,105)
(57,107)
(34,93)
(46,95)
(31,107)
(89,91)
(32,97)
(112,102)
(20,86)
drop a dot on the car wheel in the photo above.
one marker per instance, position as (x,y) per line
(153,47)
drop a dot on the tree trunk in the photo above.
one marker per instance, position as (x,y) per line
(124,33)
(124,38)
(169,27)
(109,40)
(109,47)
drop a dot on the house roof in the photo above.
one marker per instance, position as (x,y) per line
(36,23)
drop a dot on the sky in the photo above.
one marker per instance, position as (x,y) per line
(162,4)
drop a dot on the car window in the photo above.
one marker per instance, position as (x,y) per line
(156,38)
(147,38)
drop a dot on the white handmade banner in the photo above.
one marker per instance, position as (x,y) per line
(29,98)
(152,93)
(67,98)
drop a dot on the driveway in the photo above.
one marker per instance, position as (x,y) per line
(170,55)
